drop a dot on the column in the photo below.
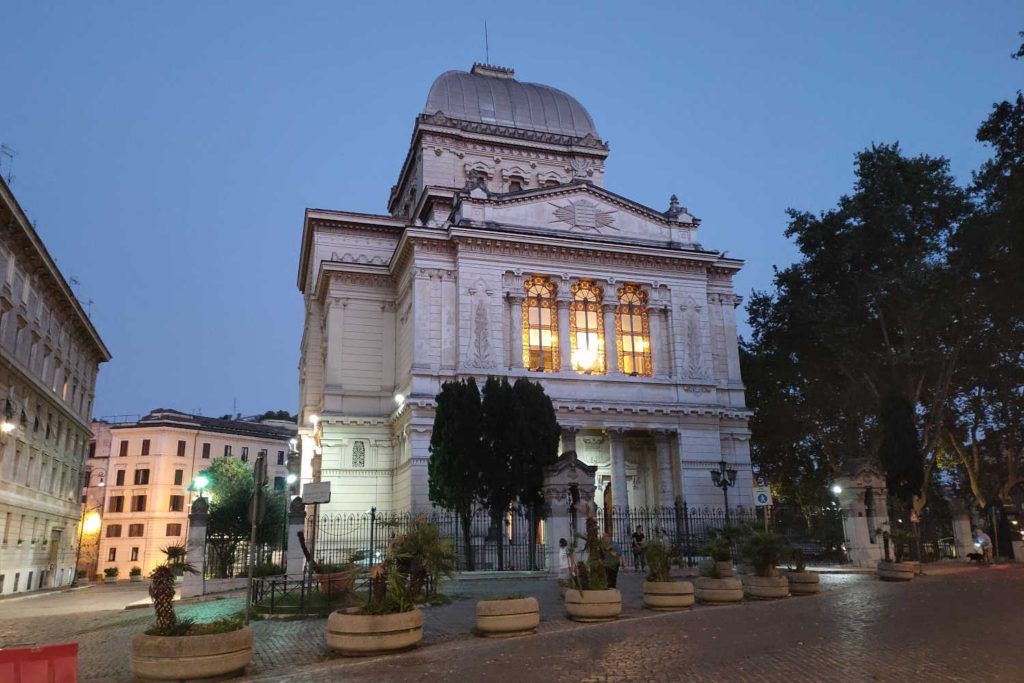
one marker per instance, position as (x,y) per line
(732,350)
(611,353)
(195,555)
(564,340)
(620,488)
(569,438)
(670,341)
(680,456)
(657,342)
(515,302)
(295,560)
(664,459)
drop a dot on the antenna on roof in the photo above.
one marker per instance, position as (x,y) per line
(487,45)
(6,151)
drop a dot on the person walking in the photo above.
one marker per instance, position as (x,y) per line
(637,546)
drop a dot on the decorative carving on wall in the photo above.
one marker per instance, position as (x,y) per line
(584,215)
(581,167)
(481,354)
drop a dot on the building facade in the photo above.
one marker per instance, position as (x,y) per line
(504,254)
(142,471)
(49,358)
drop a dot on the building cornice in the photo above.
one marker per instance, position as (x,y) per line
(19,224)
(315,218)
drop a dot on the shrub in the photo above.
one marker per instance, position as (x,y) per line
(269,569)
(415,563)
(659,561)
(81,573)
(135,571)
(592,575)
(110,572)
(764,550)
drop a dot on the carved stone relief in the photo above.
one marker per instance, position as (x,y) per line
(584,215)
(480,353)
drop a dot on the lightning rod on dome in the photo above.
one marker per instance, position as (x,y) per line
(487,45)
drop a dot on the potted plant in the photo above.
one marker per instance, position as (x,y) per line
(897,570)
(412,568)
(20,541)
(82,576)
(110,575)
(588,597)
(339,577)
(801,581)
(508,616)
(661,591)
(712,587)
(179,649)
(764,550)
(135,574)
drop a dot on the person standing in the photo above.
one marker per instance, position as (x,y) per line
(984,543)
(563,559)
(637,546)
(612,561)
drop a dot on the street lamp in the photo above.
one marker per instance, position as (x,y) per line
(723,478)
(837,489)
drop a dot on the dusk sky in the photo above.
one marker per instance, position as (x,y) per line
(167,151)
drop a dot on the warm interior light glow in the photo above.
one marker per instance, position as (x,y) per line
(91,523)
(585,359)
(6,427)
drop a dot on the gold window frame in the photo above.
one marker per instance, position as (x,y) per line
(540,294)
(587,298)
(633,302)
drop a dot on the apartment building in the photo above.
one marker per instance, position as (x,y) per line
(143,473)
(49,358)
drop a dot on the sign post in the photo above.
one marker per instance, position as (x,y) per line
(314,493)
(257,509)
(763,499)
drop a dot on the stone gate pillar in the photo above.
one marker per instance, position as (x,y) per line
(862,500)
(295,560)
(194,584)
(568,492)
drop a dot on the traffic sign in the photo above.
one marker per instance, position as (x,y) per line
(762,496)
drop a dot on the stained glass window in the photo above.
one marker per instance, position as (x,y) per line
(540,326)
(631,326)
(585,329)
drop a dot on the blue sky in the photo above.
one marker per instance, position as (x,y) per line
(167,150)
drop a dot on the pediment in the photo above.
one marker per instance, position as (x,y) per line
(579,210)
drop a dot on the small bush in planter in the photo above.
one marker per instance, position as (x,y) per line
(176,555)
(110,572)
(80,573)
(765,550)
(135,571)
(589,597)
(661,591)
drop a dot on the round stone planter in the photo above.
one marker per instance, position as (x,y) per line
(765,587)
(718,591)
(725,569)
(507,618)
(136,579)
(895,571)
(367,634)
(191,658)
(668,596)
(603,605)
(803,583)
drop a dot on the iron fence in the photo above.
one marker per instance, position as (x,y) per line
(817,533)
(228,557)
(514,542)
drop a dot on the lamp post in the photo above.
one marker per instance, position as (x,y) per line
(94,523)
(723,478)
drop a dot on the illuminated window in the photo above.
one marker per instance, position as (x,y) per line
(585,331)
(633,333)
(540,326)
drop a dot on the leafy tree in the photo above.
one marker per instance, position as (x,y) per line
(278,415)
(453,472)
(538,435)
(231,490)
(502,445)
(899,451)
(870,309)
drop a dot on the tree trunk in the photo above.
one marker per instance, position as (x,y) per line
(467,541)
(533,537)
(496,520)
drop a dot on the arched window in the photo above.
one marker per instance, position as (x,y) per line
(585,329)
(540,326)
(633,332)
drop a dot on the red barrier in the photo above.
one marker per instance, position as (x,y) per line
(47,664)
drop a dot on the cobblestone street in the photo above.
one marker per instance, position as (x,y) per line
(962,626)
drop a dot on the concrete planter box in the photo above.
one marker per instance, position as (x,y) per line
(505,618)
(765,587)
(718,591)
(668,596)
(896,571)
(603,605)
(109,579)
(191,658)
(803,583)
(366,634)
(137,579)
